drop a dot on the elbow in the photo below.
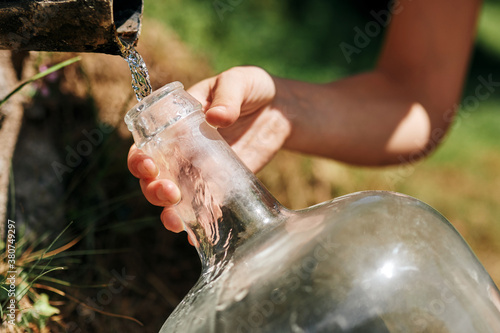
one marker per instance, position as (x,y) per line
(420,149)
(428,116)
(419,135)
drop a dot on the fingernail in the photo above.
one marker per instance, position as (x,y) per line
(177,195)
(219,108)
(160,193)
(148,168)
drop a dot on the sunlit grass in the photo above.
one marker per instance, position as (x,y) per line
(489,27)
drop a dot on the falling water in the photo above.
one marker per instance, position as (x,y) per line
(140,76)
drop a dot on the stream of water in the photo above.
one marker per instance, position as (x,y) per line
(140,76)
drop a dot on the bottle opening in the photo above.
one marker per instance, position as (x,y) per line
(159,110)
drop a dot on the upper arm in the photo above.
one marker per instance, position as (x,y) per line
(427,50)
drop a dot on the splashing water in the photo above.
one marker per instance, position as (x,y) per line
(140,76)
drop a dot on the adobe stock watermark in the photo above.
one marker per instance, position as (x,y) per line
(103,297)
(372,29)
(258,312)
(446,295)
(74,155)
(484,89)
(223,6)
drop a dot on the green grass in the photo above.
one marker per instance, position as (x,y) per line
(489,28)
(292,39)
(464,174)
(474,134)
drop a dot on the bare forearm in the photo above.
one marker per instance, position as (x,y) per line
(366,119)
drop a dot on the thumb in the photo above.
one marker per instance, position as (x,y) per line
(227,96)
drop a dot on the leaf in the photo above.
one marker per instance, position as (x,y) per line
(39,76)
(43,308)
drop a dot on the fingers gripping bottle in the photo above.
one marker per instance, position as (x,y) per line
(365,262)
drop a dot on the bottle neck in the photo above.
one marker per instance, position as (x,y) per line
(223,204)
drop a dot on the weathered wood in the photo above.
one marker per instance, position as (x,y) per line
(69,25)
(11,115)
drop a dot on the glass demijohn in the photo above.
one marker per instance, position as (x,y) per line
(367,262)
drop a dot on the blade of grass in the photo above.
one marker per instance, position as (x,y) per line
(69,284)
(90,252)
(39,76)
(21,294)
(43,267)
(56,251)
(74,299)
(38,261)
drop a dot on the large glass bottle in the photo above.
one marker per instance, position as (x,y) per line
(366,262)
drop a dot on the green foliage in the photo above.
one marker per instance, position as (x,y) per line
(30,265)
(40,313)
(489,28)
(472,136)
(296,39)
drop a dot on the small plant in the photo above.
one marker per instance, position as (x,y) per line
(40,75)
(23,307)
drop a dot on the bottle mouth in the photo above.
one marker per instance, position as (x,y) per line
(159,110)
(148,101)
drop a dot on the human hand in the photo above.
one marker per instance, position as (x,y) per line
(241,103)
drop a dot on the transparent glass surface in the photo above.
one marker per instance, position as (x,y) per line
(371,261)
